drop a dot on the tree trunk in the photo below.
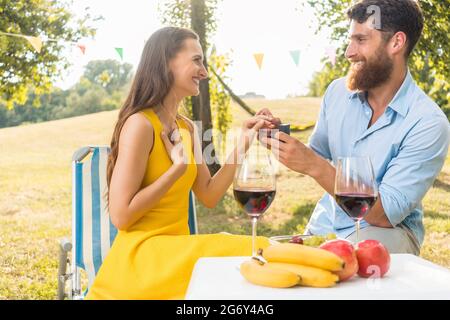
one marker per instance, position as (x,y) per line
(201,105)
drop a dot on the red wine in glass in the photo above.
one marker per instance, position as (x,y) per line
(254,201)
(254,186)
(355,187)
(356,205)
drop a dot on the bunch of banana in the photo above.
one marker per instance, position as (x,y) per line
(309,276)
(258,272)
(304,255)
(291,264)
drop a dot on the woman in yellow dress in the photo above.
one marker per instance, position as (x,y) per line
(155,161)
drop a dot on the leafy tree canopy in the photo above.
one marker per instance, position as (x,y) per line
(428,62)
(20,65)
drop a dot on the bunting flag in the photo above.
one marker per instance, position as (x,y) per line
(120,52)
(35,42)
(295,54)
(82,48)
(331,54)
(259,59)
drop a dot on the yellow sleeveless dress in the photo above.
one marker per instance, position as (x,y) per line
(155,257)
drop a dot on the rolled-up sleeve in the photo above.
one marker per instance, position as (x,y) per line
(318,140)
(411,173)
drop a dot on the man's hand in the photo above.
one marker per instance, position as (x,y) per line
(291,152)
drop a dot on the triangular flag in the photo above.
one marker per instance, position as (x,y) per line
(295,54)
(120,52)
(35,42)
(259,59)
(82,48)
(331,53)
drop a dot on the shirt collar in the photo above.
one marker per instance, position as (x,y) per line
(398,103)
(360,94)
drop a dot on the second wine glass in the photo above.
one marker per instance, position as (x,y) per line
(355,187)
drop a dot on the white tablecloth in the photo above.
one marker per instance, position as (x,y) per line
(409,277)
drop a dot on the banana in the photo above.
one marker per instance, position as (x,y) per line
(258,273)
(310,276)
(304,255)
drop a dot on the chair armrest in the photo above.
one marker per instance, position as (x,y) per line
(65,246)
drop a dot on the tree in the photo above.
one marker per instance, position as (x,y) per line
(20,65)
(428,62)
(199,16)
(84,97)
(110,74)
(221,100)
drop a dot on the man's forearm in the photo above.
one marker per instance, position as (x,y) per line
(377,217)
(324,173)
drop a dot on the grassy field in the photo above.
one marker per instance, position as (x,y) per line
(35,197)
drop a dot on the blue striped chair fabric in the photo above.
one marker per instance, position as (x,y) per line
(92,231)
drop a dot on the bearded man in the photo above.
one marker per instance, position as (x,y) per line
(377,111)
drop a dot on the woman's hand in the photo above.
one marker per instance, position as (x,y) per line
(251,127)
(175,149)
(266,112)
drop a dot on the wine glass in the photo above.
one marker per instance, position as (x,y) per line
(355,188)
(254,186)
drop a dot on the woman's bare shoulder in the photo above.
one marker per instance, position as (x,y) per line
(137,131)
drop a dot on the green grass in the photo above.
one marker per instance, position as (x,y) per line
(35,196)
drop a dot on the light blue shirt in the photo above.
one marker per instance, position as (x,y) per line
(407,145)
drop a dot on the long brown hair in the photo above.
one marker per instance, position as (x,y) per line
(151,83)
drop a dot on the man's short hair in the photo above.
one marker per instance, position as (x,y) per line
(395,16)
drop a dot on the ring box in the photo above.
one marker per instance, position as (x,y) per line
(285,127)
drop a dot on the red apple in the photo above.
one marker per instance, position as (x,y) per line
(345,250)
(373,259)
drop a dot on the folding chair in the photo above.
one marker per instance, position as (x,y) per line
(92,230)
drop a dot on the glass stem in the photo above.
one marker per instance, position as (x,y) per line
(357,231)
(254,222)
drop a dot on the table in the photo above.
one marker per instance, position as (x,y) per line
(409,277)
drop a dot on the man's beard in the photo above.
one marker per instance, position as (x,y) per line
(372,73)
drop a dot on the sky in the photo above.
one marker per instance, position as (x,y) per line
(245,27)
